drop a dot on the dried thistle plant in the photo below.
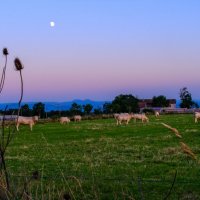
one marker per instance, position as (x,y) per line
(173,129)
(6,137)
(19,66)
(186,149)
(3,76)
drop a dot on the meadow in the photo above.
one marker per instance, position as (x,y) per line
(96,159)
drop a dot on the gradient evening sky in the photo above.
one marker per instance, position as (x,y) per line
(101,48)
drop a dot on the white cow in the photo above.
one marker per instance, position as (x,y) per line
(116,115)
(142,117)
(196,116)
(123,117)
(64,120)
(26,120)
(77,118)
(157,113)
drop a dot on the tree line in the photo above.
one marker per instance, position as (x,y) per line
(123,103)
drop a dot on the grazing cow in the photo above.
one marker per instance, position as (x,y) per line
(157,114)
(26,120)
(123,117)
(142,117)
(196,116)
(77,118)
(64,120)
(115,115)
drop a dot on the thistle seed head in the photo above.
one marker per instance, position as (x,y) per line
(35,175)
(66,196)
(18,64)
(5,51)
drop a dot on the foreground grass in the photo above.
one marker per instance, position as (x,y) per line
(99,160)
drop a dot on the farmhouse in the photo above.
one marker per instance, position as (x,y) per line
(147,103)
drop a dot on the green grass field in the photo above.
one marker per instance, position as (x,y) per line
(97,159)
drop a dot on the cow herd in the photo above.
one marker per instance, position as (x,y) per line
(32,120)
(126,117)
(66,120)
(119,117)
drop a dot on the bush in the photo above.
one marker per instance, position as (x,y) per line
(148,110)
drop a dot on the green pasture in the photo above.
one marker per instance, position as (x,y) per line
(96,159)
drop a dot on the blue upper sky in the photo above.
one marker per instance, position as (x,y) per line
(101,48)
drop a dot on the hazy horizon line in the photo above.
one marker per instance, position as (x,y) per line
(49,101)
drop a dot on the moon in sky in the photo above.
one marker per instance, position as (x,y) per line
(52,24)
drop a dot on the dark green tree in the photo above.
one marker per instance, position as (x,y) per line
(107,108)
(125,103)
(87,108)
(39,109)
(76,109)
(97,111)
(25,110)
(186,99)
(160,101)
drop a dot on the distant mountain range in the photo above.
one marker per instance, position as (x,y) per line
(66,105)
(56,105)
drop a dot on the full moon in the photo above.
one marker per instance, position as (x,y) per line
(52,24)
